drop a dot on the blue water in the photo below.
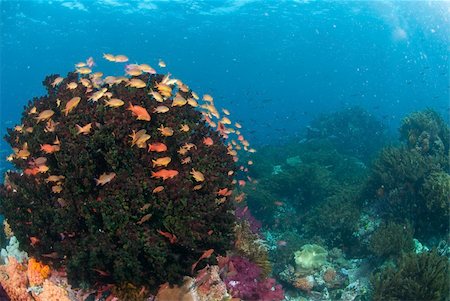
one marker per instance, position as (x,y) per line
(273,64)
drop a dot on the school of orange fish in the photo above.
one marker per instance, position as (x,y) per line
(96,90)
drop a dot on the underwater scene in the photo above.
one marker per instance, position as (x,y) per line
(233,150)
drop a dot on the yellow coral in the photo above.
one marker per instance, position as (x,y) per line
(249,245)
(7,229)
(37,272)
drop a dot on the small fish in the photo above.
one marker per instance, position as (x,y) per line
(146,68)
(205,255)
(197,175)
(165,131)
(156,96)
(97,95)
(161,161)
(178,101)
(208,141)
(34,240)
(114,103)
(136,83)
(120,58)
(105,178)
(109,57)
(186,160)
(172,238)
(101,273)
(225,120)
(157,147)
(226,112)
(84,70)
(44,115)
(192,102)
(165,174)
(144,219)
(57,189)
(57,81)
(184,128)
(133,71)
(158,189)
(71,104)
(32,111)
(140,112)
(86,129)
(278,203)
(49,149)
(53,255)
(197,187)
(145,207)
(161,109)
(141,142)
(162,64)
(72,85)
(224,192)
(208,97)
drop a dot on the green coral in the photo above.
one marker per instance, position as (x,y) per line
(426,132)
(417,277)
(336,218)
(391,239)
(436,191)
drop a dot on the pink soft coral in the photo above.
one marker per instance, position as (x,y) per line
(245,282)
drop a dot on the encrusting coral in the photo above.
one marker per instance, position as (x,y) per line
(125,179)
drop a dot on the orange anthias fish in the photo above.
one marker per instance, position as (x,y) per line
(105,178)
(34,240)
(44,115)
(208,141)
(140,112)
(172,238)
(86,129)
(165,131)
(49,149)
(157,147)
(205,255)
(161,161)
(224,192)
(197,175)
(165,174)
(158,189)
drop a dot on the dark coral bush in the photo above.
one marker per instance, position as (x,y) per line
(416,277)
(411,181)
(121,232)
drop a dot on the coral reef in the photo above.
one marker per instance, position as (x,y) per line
(426,132)
(310,257)
(411,183)
(249,245)
(125,179)
(417,277)
(246,283)
(391,239)
(336,219)
(353,131)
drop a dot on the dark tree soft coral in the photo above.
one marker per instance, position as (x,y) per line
(123,231)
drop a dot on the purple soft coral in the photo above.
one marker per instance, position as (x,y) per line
(247,285)
(245,214)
